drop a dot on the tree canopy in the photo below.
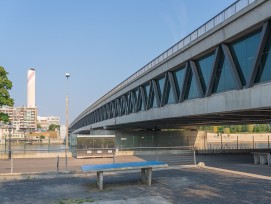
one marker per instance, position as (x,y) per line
(53,127)
(5,99)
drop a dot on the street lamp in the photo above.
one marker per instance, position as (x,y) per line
(67,113)
(9,139)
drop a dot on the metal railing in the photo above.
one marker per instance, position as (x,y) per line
(218,19)
(58,162)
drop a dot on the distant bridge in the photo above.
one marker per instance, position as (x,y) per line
(219,74)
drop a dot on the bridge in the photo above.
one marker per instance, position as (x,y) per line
(218,74)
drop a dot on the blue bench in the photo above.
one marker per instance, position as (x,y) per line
(146,169)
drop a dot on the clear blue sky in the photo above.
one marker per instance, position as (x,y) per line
(99,42)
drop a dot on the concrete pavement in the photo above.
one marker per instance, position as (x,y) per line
(176,184)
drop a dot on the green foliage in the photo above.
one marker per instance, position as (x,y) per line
(42,137)
(53,127)
(227,130)
(250,128)
(4,117)
(5,86)
(258,128)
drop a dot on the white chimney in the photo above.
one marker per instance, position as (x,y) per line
(31,77)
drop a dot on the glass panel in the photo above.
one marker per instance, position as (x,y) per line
(204,66)
(154,105)
(179,78)
(147,91)
(191,89)
(264,72)
(136,94)
(161,84)
(244,55)
(132,103)
(153,102)
(223,79)
(169,94)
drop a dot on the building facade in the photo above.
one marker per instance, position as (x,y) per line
(24,119)
(45,122)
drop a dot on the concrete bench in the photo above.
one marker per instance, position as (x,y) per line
(146,169)
(262,158)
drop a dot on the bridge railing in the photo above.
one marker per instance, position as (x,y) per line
(218,19)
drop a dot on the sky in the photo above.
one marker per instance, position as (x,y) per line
(99,43)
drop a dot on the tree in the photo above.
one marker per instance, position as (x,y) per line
(5,99)
(215,129)
(226,130)
(250,128)
(53,127)
(38,126)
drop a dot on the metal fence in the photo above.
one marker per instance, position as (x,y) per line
(236,143)
(57,161)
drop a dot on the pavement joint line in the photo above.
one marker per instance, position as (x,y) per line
(237,172)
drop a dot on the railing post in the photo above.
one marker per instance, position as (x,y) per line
(114,155)
(253,141)
(57,166)
(237,141)
(221,145)
(268,143)
(156,156)
(11,164)
(66,161)
(195,161)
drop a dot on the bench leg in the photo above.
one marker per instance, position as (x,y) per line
(149,175)
(143,175)
(100,180)
(146,174)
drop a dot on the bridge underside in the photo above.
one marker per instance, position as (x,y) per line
(255,116)
(190,122)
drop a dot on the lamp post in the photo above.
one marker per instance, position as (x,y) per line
(67,113)
(9,139)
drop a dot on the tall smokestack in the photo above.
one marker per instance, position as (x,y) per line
(31,77)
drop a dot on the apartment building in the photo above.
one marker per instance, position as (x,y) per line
(22,118)
(45,122)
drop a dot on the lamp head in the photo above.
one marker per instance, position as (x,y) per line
(67,75)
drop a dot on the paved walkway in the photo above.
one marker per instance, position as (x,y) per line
(235,162)
(176,184)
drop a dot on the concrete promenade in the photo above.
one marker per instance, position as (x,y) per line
(175,184)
